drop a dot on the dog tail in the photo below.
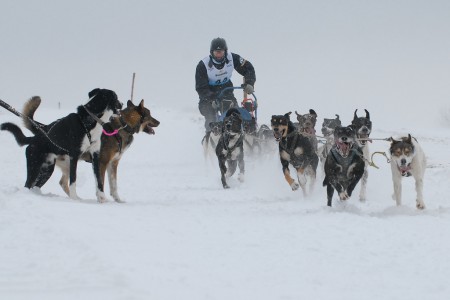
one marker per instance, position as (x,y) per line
(28,111)
(17,132)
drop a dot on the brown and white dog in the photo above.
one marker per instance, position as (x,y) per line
(297,150)
(407,159)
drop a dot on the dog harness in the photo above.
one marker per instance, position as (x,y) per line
(231,149)
(130,130)
(345,162)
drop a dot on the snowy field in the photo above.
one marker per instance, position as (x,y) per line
(180,235)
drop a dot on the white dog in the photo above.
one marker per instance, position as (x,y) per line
(407,159)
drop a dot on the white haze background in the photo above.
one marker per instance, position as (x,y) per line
(180,235)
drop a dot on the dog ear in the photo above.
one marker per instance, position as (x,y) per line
(337,117)
(93,92)
(354,115)
(298,115)
(130,104)
(312,112)
(287,115)
(141,104)
(367,114)
(408,139)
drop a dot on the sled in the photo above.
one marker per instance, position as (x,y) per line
(248,107)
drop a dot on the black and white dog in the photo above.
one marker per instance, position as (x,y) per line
(407,159)
(67,138)
(344,165)
(295,149)
(363,128)
(230,148)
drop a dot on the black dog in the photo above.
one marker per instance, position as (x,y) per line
(363,128)
(344,165)
(294,149)
(230,148)
(70,136)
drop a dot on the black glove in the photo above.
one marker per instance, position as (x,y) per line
(248,88)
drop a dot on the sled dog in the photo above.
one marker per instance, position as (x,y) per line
(230,149)
(344,165)
(295,149)
(407,159)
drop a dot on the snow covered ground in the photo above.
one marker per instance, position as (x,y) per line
(180,235)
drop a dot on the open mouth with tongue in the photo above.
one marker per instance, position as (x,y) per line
(405,170)
(149,129)
(278,134)
(344,147)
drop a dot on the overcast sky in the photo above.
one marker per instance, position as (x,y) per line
(391,57)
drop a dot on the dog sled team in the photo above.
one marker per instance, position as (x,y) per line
(102,130)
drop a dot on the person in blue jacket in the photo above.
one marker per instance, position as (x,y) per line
(213,74)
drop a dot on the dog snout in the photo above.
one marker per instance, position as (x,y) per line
(403,161)
(344,138)
(364,129)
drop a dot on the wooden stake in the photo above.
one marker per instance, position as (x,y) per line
(132,87)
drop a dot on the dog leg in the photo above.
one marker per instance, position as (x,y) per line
(302,180)
(64,165)
(35,160)
(112,178)
(73,177)
(223,171)
(287,175)
(99,174)
(330,192)
(397,196)
(241,164)
(419,189)
(232,164)
(294,185)
(362,193)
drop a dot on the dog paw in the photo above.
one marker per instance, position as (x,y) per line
(343,195)
(226,186)
(420,205)
(101,198)
(241,177)
(294,186)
